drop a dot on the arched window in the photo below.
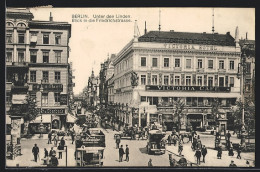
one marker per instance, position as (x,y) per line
(21,25)
(9,24)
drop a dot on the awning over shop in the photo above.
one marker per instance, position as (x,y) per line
(70,118)
(46,118)
(188,94)
(19,99)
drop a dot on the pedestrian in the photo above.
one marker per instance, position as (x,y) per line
(198,155)
(219,152)
(60,148)
(127,153)
(49,137)
(181,138)
(174,140)
(199,145)
(182,162)
(52,152)
(190,138)
(117,141)
(45,153)
(72,136)
(247,164)
(230,150)
(55,140)
(169,139)
(54,161)
(232,164)
(239,150)
(228,136)
(180,148)
(121,153)
(35,151)
(204,152)
(62,142)
(150,163)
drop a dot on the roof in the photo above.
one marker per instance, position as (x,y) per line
(188,38)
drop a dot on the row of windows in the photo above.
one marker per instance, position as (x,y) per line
(33,56)
(44,99)
(188,63)
(177,81)
(45,76)
(123,65)
(21,38)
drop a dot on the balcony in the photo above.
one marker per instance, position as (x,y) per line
(20,86)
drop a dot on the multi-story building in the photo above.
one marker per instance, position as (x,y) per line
(93,90)
(154,70)
(37,60)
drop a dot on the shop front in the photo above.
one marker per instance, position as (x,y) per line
(34,126)
(168,123)
(195,120)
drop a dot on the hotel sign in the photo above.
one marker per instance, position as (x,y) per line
(186,88)
(189,46)
(51,111)
(48,87)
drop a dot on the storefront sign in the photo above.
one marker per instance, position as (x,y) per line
(63,99)
(51,111)
(94,142)
(186,88)
(190,46)
(48,87)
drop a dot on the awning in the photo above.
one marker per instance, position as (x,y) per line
(70,118)
(19,99)
(46,118)
(189,94)
(34,39)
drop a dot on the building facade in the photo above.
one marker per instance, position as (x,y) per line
(41,50)
(92,93)
(156,69)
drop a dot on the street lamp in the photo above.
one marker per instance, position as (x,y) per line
(41,124)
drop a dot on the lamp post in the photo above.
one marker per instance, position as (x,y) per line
(144,116)
(41,124)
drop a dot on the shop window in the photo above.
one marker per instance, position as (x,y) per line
(166,62)
(177,80)
(194,101)
(32,76)
(210,64)
(8,56)
(166,80)
(45,38)
(21,38)
(143,61)
(188,63)
(221,64)
(45,76)
(45,57)
(199,80)
(33,56)
(199,63)
(150,100)
(44,99)
(143,99)
(154,79)
(200,101)
(58,57)
(57,39)
(231,83)
(143,79)
(20,57)
(188,101)
(188,80)
(57,77)
(154,62)
(177,63)
(231,65)
(248,67)
(55,124)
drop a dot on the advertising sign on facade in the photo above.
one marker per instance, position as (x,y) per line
(186,88)
(48,87)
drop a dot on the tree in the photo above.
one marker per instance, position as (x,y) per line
(81,120)
(215,109)
(27,111)
(179,106)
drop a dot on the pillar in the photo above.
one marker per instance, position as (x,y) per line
(139,118)
(148,119)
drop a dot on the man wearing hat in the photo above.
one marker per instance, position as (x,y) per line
(232,164)
(54,160)
(35,151)
(150,163)
(127,153)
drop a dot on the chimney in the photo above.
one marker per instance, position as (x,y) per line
(51,18)
(145,30)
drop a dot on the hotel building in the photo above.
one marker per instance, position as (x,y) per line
(154,70)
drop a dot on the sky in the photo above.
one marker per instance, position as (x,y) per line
(92,42)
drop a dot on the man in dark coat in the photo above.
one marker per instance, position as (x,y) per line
(62,142)
(239,150)
(49,137)
(117,142)
(121,153)
(52,152)
(219,152)
(54,161)
(204,152)
(45,153)
(127,153)
(232,164)
(228,136)
(60,148)
(72,136)
(198,155)
(35,151)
